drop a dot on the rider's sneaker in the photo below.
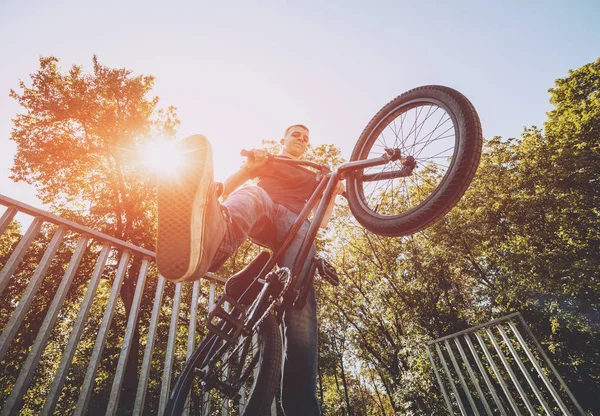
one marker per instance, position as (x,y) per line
(190,220)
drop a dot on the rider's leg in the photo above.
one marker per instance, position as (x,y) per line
(300,368)
(195,232)
(250,212)
(299,384)
(253,214)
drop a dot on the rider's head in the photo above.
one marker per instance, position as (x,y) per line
(295,141)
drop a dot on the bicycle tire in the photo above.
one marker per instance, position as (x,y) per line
(432,188)
(264,386)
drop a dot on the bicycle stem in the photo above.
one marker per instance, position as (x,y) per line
(388,156)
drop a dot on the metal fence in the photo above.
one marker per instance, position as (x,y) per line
(499,368)
(100,264)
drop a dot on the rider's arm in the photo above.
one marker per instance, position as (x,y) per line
(327,215)
(246,172)
(339,189)
(236,180)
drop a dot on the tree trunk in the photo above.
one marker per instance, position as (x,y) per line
(343,374)
(388,391)
(379,401)
(320,384)
(337,385)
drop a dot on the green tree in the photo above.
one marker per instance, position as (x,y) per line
(78,140)
(524,237)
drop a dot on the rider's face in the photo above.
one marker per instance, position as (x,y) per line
(295,142)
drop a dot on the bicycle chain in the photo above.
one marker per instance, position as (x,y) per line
(278,300)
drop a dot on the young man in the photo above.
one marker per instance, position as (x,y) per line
(196,234)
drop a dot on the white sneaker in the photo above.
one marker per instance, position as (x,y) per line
(190,222)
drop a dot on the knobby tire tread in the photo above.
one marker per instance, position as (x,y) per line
(467,158)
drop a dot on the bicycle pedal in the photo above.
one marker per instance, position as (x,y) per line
(227,324)
(327,271)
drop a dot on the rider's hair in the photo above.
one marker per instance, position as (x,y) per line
(295,125)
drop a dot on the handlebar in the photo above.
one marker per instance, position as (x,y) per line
(408,165)
(272,158)
(249,154)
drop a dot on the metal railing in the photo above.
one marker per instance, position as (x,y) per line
(496,369)
(104,262)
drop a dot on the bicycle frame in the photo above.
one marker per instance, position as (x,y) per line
(323,194)
(299,284)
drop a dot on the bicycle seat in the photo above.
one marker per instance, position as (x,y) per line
(243,279)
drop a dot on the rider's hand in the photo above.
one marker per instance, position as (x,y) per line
(340,188)
(259,157)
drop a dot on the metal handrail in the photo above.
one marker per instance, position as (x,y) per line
(476,328)
(126,254)
(57,220)
(503,349)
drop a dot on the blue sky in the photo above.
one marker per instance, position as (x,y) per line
(240,72)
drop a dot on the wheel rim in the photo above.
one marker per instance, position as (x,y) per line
(424,129)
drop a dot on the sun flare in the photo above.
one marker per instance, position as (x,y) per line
(163,156)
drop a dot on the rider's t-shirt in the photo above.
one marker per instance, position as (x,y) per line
(287,185)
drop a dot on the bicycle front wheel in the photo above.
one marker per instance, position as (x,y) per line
(244,380)
(438,134)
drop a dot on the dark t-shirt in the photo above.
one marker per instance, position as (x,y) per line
(290,186)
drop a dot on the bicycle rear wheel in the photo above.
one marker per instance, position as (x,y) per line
(438,133)
(244,380)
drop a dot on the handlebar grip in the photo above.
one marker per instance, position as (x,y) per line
(250,155)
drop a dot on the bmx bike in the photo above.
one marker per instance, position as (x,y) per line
(409,167)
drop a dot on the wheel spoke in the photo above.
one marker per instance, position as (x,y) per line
(377,187)
(408,194)
(384,141)
(425,132)
(426,118)
(433,140)
(415,130)
(425,179)
(395,130)
(429,140)
(429,162)
(414,127)
(440,152)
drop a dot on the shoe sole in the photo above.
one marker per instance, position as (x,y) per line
(181,211)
